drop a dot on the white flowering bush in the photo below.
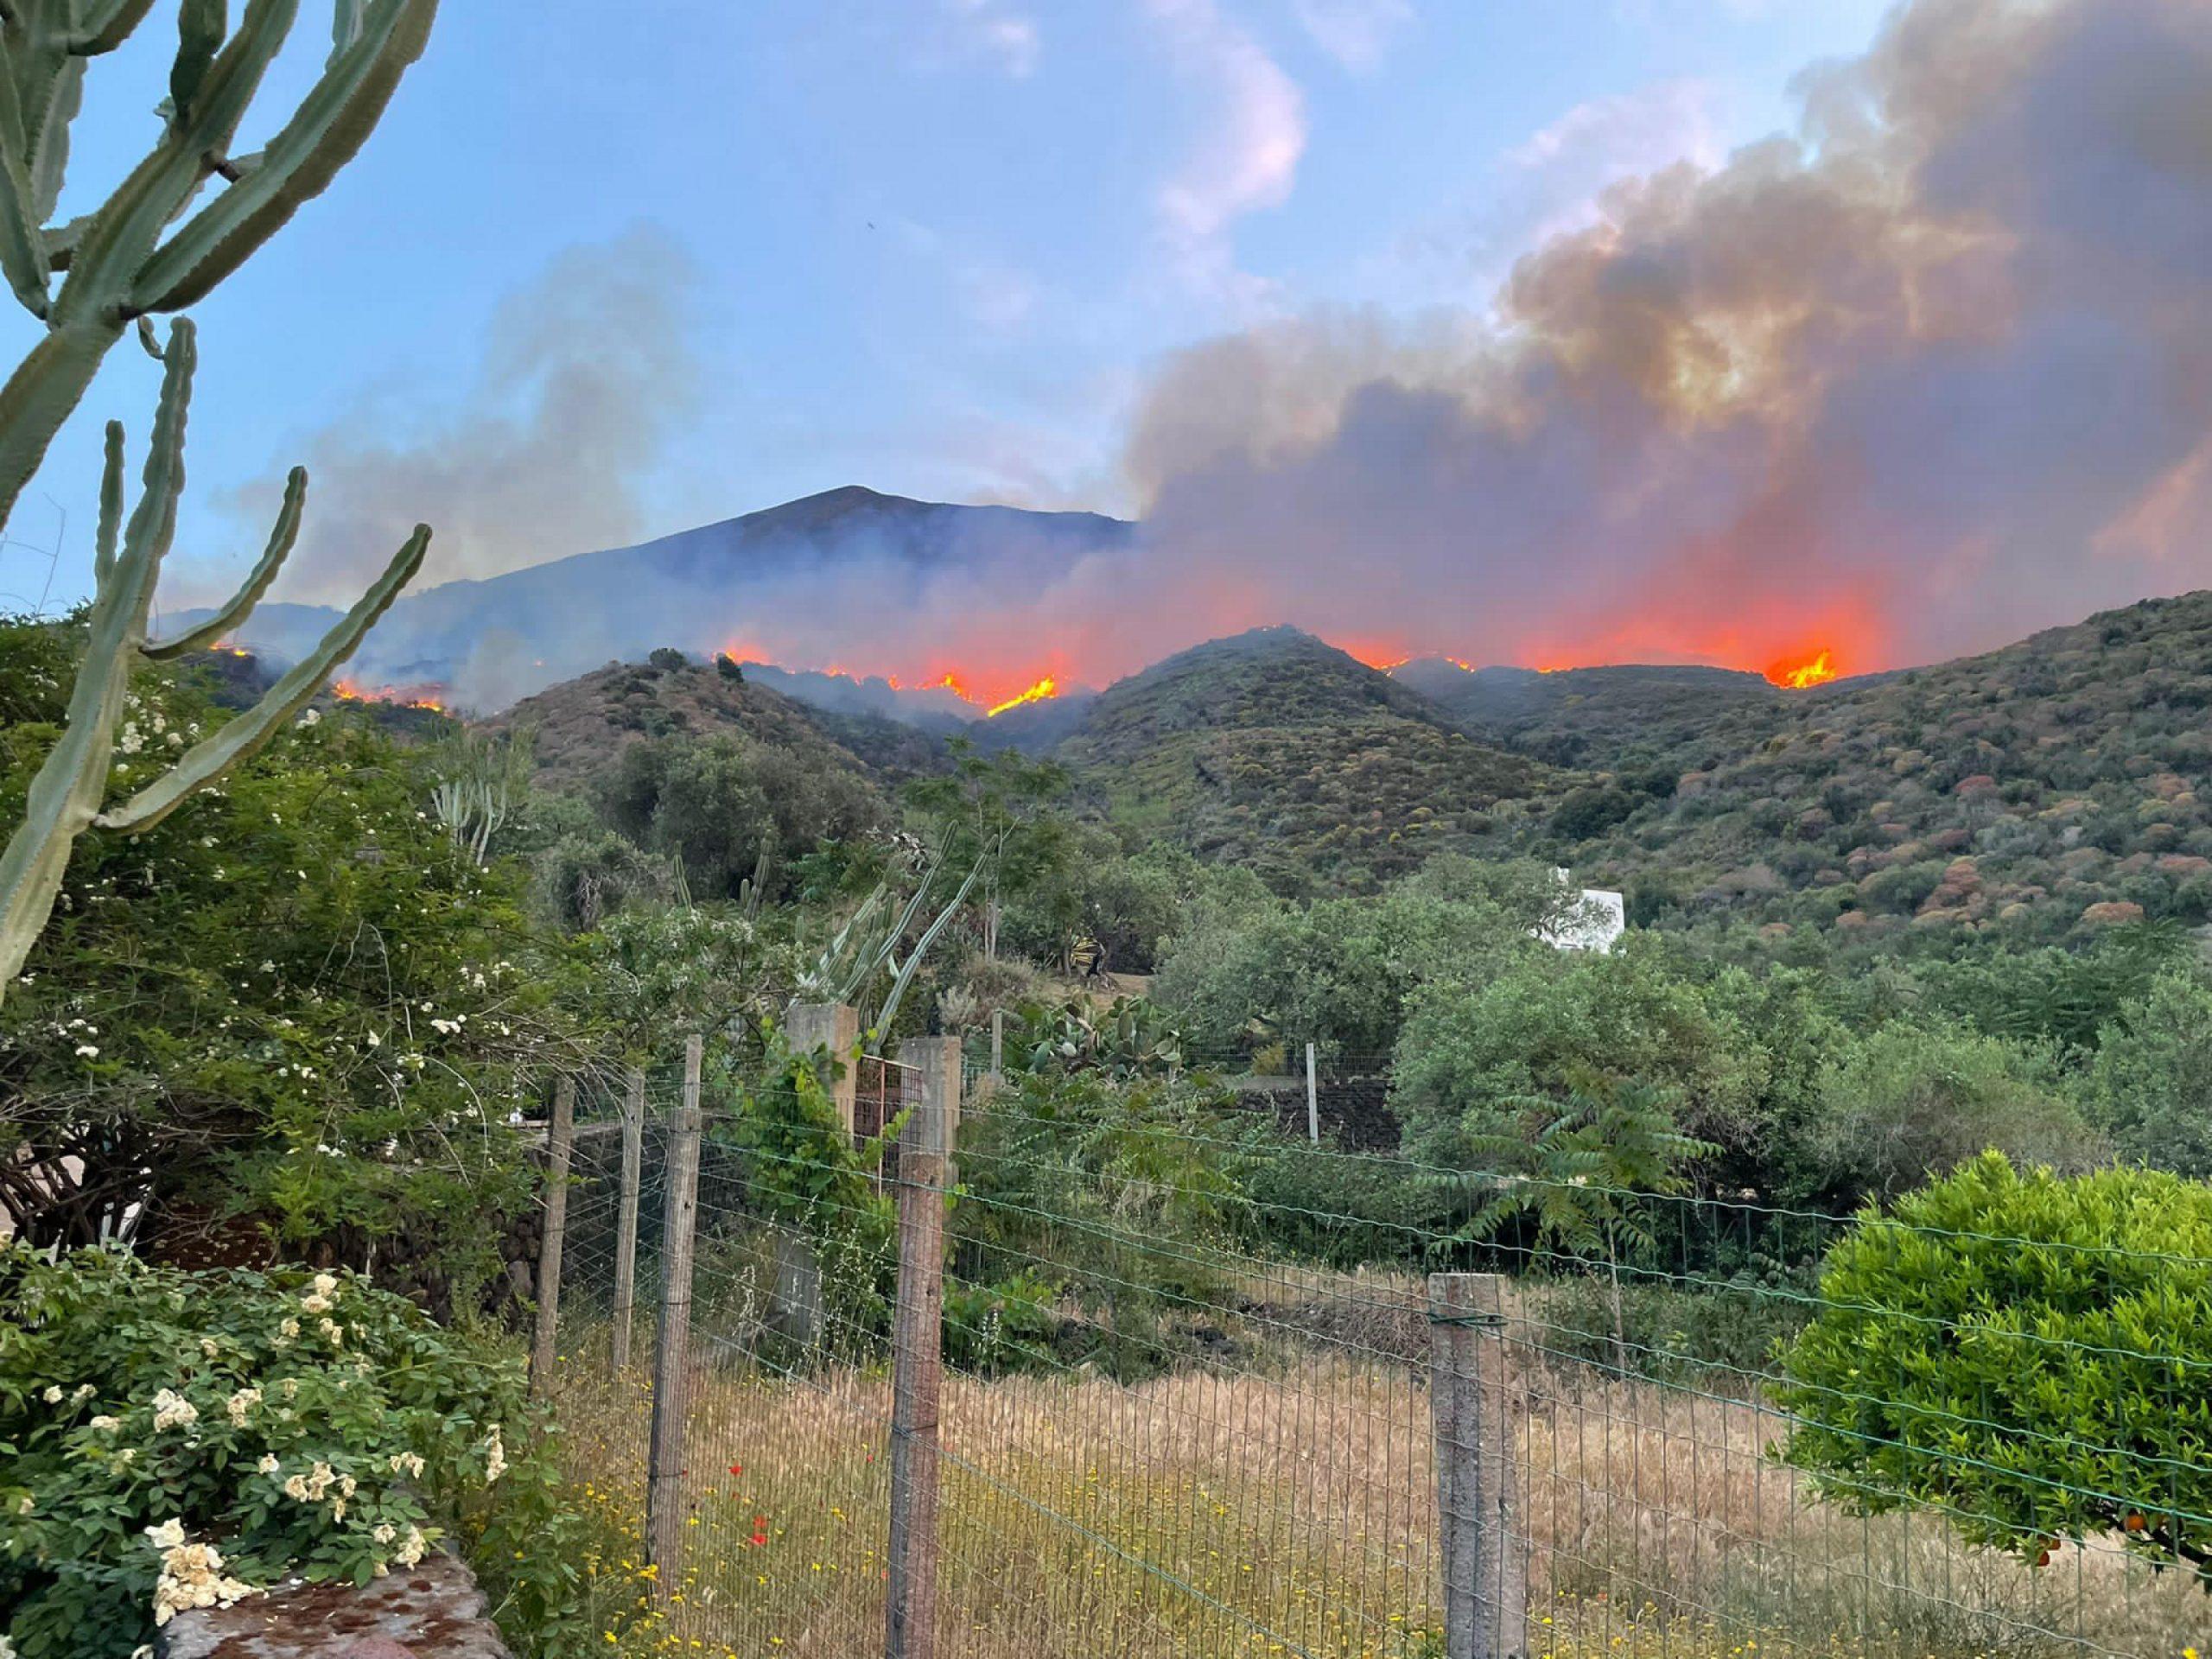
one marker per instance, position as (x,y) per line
(292,1005)
(179,1441)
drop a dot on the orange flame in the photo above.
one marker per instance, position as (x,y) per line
(1043,690)
(1799,674)
(431,697)
(950,683)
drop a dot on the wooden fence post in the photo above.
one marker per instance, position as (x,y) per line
(1313,1099)
(998,1046)
(932,1103)
(1485,1568)
(559,1148)
(672,1351)
(626,1224)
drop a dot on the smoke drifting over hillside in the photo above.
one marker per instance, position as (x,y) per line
(1933,372)
(585,377)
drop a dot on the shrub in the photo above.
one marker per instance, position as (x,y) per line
(2151,1080)
(2027,1351)
(1120,1190)
(1721,1340)
(1911,1099)
(179,1438)
(295,1000)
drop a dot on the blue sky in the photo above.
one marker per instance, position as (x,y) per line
(935,246)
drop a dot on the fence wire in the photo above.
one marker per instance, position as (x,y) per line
(1184,1414)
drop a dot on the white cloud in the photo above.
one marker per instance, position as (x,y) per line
(1626,133)
(1554,182)
(1248,158)
(1354,31)
(1002,33)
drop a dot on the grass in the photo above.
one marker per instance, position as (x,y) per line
(1284,1502)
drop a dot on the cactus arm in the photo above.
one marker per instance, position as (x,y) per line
(23,254)
(332,123)
(107,25)
(23,245)
(153,521)
(245,737)
(200,26)
(345,27)
(890,1009)
(65,797)
(51,93)
(115,248)
(47,384)
(281,540)
(66,794)
(111,520)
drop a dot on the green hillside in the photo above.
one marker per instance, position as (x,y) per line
(2055,787)
(583,725)
(1607,716)
(1274,750)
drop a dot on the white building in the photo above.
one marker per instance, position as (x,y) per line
(1596,919)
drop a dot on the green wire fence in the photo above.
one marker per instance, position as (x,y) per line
(1210,1388)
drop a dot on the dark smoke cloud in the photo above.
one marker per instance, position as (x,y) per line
(1929,374)
(1932,373)
(585,376)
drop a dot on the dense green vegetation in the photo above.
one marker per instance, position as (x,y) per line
(293,1021)
(1276,752)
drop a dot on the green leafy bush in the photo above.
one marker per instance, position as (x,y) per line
(1123,1192)
(1916,1098)
(1718,1341)
(994,1330)
(294,1001)
(177,1440)
(800,1172)
(2150,1083)
(2029,1352)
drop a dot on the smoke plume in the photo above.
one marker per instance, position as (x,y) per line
(1928,373)
(584,377)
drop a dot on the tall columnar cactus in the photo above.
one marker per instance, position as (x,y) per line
(131,255)
(65,797)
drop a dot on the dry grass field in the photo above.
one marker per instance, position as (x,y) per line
(1288,1506)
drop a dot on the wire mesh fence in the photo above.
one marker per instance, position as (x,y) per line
(1208,1387)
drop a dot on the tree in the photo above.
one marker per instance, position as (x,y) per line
(731,810)
(2024,1351)
(1472,1058)
(1582,1182)
(2151,1084)
(1916,1097)
(992,811)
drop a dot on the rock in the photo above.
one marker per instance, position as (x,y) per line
(433,1611)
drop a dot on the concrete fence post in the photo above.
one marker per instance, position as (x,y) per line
(560,1148)
(671,1352)
(1485,1566)
(626,1223)
(837,1027)
(1313,1098)
(932,1108)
